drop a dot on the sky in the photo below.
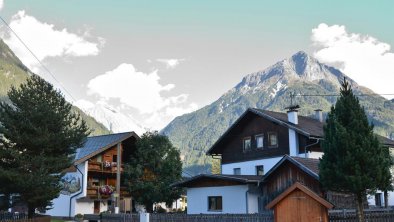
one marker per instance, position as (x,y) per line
(155,60)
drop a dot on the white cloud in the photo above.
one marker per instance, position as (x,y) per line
(1,4)
(170,63)
(364,58)
(136,89)
(45,40)
(141,92)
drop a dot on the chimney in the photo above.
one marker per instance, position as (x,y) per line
(292,114)
(319,115)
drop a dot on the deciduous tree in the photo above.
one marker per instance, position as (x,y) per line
(153,167)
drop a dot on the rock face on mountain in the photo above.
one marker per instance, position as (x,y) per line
(13,72)
(301,75)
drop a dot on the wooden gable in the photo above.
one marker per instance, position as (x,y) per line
(299,203)
(251,125)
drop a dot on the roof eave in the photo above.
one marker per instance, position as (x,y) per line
(83,159)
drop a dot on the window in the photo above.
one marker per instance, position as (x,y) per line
(260,170)
(215,203)
(115,158)
(247,143)
(378,199)
(272,139)
(237,171)
(259,141)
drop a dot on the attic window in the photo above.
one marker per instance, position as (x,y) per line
(272,139)
(247,143)
(259,141)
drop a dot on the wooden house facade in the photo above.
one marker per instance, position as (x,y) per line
(93,184)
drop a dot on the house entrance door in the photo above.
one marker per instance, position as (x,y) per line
(96,207)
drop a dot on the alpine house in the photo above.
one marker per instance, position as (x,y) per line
(262,154)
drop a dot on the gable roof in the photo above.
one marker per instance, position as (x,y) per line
(307,126)
(308,165)
(97,144)
(305,190)
(243,179)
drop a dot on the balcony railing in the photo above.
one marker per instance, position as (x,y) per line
(105,167)
(93,192)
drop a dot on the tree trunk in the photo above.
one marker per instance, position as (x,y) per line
(31,210)
(149,207)
(360,207)
(386,199)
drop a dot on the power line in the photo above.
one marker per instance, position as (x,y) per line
(364,94)
(34,55)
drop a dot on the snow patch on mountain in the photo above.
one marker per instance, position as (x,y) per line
(278,87)
(110,117)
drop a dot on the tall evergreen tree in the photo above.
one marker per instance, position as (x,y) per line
(152,169)
(39,135)
(354,161)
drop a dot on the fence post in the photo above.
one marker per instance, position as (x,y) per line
(144,217)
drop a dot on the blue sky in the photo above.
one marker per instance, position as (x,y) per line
(186,54)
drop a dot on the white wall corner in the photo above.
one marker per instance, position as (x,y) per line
(293,143)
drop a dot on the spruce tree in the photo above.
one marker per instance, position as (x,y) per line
(354,161)
(152,169)
(39,135)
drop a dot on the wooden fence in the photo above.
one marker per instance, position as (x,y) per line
(113,217)
(8,217)
(370,216)
(265,217)
(334,216)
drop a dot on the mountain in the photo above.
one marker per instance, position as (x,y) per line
(13,72)
(111,118)
(270,89)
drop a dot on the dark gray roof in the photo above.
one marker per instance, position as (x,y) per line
(97,144)
(308,165)
(306,126)
(244,179)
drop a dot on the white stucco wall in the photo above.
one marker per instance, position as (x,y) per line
(61,205)
(249,167)
(312,155)
(293,143)
(253,199)
(233,199)
(87,207)
(371,198)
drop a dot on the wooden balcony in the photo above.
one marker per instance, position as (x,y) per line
(103,168)
(93,193)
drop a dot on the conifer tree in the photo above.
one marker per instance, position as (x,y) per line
(38,137)
(152,169)
(354,161)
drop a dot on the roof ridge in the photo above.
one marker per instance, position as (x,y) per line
(302,116)
(111,134)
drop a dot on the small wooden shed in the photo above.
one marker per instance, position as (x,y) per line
(299,203)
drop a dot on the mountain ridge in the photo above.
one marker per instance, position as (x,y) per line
(13,72)
(270,89)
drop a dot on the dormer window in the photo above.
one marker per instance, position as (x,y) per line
(272,139)
(247,143)
(259,141)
